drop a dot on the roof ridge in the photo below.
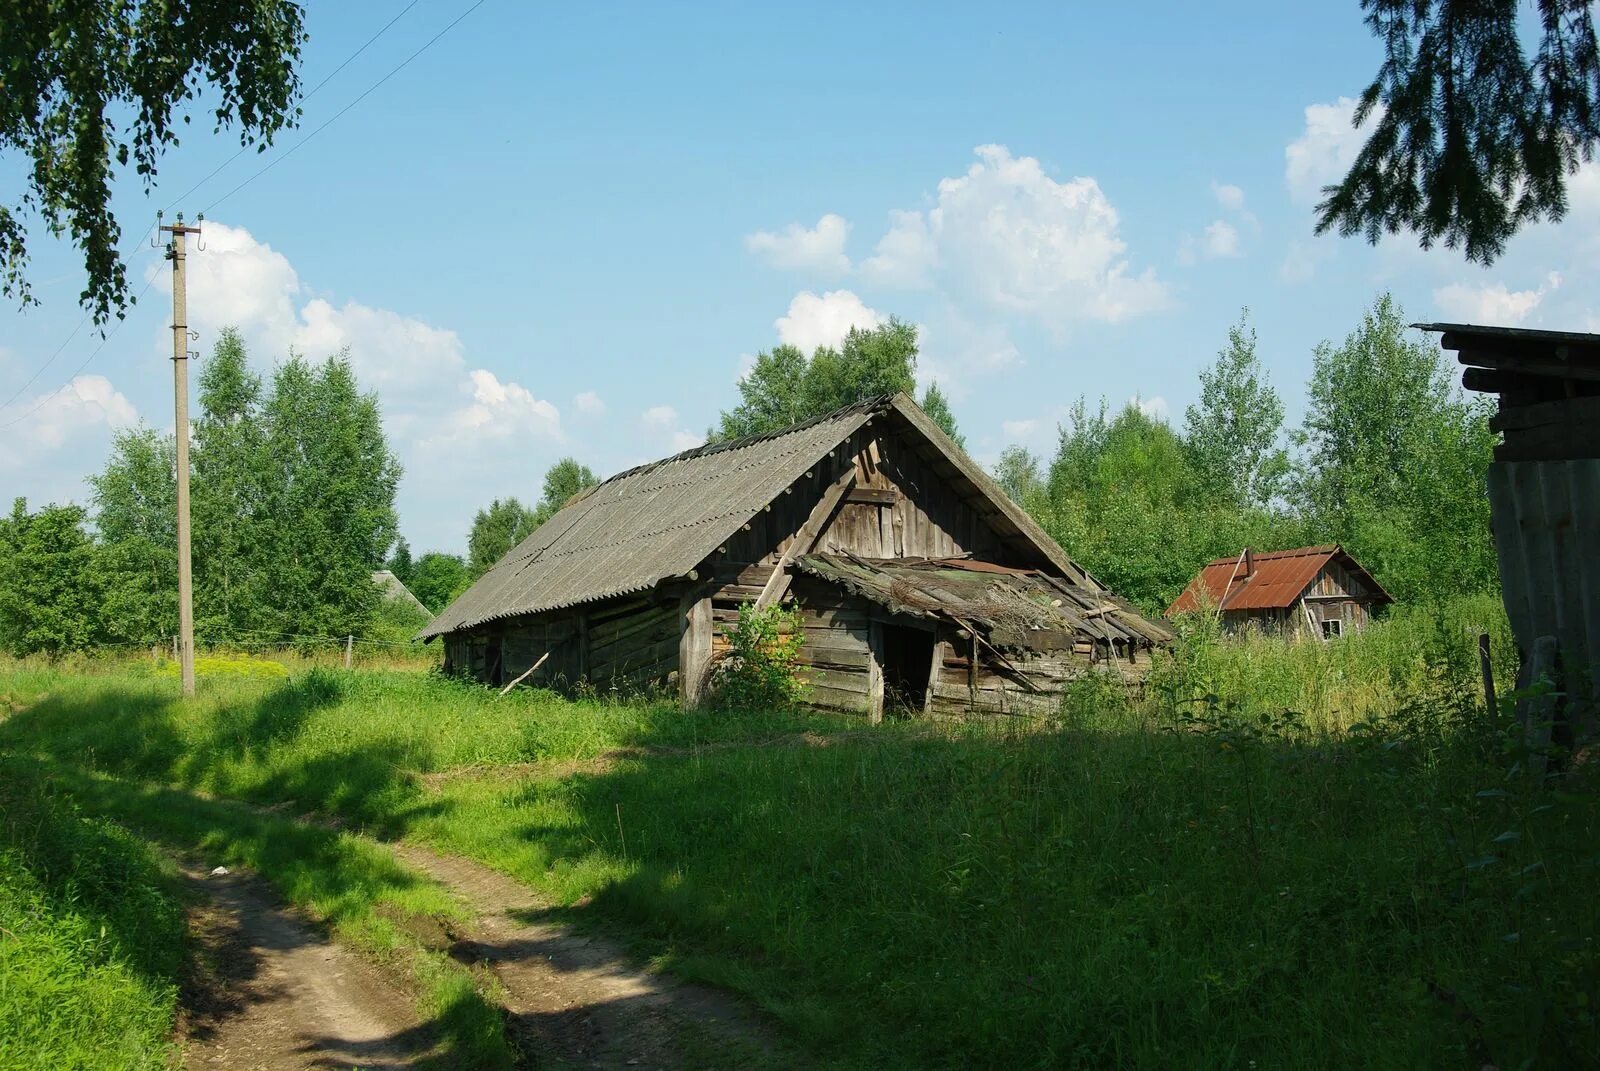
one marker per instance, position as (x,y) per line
(1268,555)
(873,404)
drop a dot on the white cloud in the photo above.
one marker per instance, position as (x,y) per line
(1325,149)
(589,404)
(1228,196)
(659,418)
(498,411)
(45,423)
(660,423)
(1155,408)
(1221,240)
(387,350)
(820,248)
(907,253)
(814,321)
(1018,429)
(1011,237)
(1218,241)
(239,282)
(1492,304)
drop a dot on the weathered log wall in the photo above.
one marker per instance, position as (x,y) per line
(624,643)
(836,658)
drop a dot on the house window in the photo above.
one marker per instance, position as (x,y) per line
(1331,628)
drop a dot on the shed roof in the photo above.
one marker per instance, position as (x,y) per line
(1009,604)
(658,521)
(1277,580)
(395,590)
(1499,359)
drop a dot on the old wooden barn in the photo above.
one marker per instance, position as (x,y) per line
(1311,591)
(1544,499)
(920,583)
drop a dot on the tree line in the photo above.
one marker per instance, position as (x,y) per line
(294,486)
(292,504)
(293,510)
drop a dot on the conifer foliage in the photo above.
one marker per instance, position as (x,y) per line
(1472,137)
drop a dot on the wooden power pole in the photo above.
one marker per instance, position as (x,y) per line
(180,393)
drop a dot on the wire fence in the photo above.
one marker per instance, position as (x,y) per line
(350,650)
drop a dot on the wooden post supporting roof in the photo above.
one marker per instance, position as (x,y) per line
(694,647)
(875,671)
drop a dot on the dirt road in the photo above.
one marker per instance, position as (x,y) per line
(582,1000)
(270,993)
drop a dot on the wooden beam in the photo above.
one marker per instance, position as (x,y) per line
(1543,367)
(941,649)
(694,647)
(582,636)
(778,584)
(875,673)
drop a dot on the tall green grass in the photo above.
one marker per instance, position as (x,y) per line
(1316,855)
(1343,682)
(91,938)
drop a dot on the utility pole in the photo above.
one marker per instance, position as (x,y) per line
(180,393)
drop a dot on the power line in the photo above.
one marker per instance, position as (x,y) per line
(105,339)
(335,118)
(313,92)
(20,391)
(217,170)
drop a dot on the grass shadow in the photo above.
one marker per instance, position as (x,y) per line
(1123,895)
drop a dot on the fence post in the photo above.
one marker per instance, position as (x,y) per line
(174,648)
(1486,664)
(349,650)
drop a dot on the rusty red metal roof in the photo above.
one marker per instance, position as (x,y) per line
(1277,580)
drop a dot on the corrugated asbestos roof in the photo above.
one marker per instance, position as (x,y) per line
(394,589)
(658,521)
(1278,579)
(647,524)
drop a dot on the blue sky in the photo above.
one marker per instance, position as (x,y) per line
(566,231)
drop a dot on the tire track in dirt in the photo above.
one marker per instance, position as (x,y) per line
(268,992)
(582,999)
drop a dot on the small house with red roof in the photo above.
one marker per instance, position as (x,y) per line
(1315,591)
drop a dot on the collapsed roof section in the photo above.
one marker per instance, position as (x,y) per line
(1019,609)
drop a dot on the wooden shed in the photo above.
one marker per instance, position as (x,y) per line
(1312,591)
(920,583)
(1544,495)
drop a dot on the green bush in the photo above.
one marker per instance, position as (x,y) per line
(758,672)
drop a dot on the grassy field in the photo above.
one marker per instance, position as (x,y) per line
(1288,856)
(91,938)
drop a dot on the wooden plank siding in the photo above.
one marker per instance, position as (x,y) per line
(1335,594)
(916,514)
(623,643)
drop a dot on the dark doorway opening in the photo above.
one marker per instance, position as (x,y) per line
(907,658)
